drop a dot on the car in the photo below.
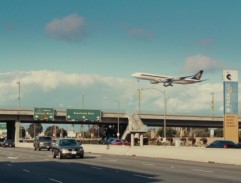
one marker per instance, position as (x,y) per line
(120,142)
(238,145)
(107,140)
(2,140)
(42,142)
(67,147)
(222,144)
(8,143)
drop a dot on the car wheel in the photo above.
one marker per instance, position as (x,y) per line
(81,156)
(54,155)
(60,155)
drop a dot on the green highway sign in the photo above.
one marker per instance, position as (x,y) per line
(83,115)
(43,114)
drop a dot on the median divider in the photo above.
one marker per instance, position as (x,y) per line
(198,154)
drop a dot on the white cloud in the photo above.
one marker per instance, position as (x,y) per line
(197,62)
(70,28)
(59,89)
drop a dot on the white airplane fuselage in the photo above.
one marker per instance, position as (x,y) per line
(168,80)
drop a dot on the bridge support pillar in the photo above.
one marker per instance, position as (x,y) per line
(17,129)
(10,130)
(141,140)
(132,139)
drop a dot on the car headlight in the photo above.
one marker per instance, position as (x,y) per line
(64,150)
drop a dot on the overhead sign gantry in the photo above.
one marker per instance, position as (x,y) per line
(83,115)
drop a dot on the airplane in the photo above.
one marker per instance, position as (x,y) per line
(169,80)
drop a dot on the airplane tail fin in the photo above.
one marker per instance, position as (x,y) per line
(198,75)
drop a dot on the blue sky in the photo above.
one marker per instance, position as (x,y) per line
(60,49)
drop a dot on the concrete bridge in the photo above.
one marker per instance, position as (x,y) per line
(134,123)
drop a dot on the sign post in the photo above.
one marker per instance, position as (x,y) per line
(230,89)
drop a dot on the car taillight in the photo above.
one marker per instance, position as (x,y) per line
(226,146)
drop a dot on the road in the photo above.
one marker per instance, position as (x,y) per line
(26,165)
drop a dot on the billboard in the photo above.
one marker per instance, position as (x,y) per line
(230,89)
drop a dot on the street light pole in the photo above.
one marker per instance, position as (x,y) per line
(18,94)
(165,108)
(19,108)
(83,97)
(118,117)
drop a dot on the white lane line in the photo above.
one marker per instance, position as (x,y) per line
(11,157)
(148,164)
(205,171)
(112,160)
(54,180)
(97,168)
(142,176)
(26,170)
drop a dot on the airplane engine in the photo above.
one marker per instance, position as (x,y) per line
(154,82)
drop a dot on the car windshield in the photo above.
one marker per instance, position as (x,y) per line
(45,138)
(68,142)
(9,140)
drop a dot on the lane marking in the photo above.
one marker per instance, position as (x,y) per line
(142,176)
(26,170)
(148,164)
(11,157)
(54,180)
(9,165)
(112,160)
(205,171)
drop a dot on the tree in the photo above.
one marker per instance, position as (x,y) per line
(170,132)
(200,132)
(60,132)
(50,131)
(35,129)
(218,132)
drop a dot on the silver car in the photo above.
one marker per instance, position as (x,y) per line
(66,147)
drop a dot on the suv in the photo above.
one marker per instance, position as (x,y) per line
(42,142)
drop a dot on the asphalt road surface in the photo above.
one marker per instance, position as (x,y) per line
(26,165)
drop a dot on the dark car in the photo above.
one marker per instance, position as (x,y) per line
(8,143)
(66,147)
(222,144)
(2,140)
(42,142)
(238,145)
(107,140)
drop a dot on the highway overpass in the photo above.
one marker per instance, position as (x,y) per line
(14,118)
(149,119)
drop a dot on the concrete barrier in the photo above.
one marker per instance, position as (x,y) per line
(198,154)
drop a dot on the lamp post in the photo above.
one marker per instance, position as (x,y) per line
(83,106)
(212,102)
(165,108)
(83,99)
(19,107)
(139,99)
(19,94)
(118,118)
